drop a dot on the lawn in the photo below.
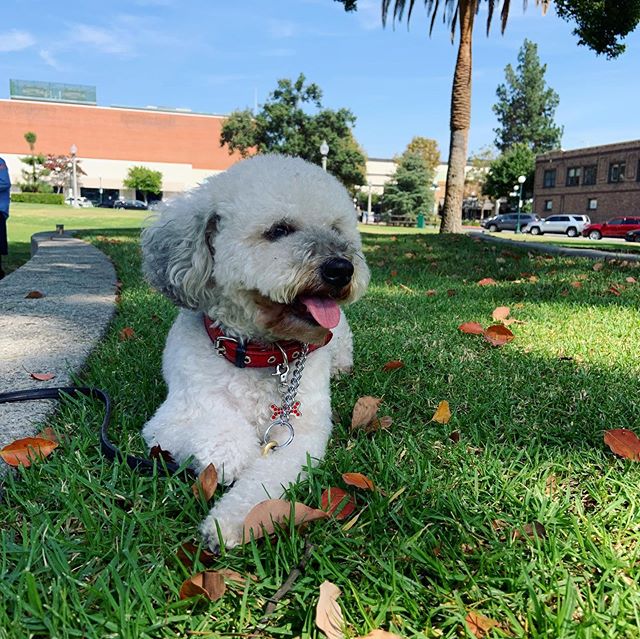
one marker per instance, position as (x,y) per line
(89,548)
(27,219)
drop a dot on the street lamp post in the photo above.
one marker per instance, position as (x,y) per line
(74,176)
(521,181)
(369,216)
(324,151)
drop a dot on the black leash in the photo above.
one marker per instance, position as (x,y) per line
(111,452)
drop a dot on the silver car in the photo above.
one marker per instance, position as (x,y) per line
(569,224)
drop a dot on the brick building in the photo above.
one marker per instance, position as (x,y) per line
(600,181)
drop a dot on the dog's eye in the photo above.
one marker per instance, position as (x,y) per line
(281,229)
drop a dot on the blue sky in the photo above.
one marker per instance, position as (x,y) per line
(216,56)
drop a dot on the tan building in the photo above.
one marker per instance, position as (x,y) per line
(600,181)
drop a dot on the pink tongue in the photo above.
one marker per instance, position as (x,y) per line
(324,310)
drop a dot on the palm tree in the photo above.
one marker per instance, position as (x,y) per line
(462,13)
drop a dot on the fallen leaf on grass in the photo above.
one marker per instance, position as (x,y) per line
(337,503)
(34,295)
(623,442)
(126,333)
(576,284)
(598,266)
(364,411)
(379,423)
(328,614)
(157,452)
(42,377)
(498,335)
(614,290)
(22,452)
(431,292)
(393,365)
(479,625)
(454,436)
(270,514)
(358,480)
(188,554)
(209,584)
(206,483)
(487,281)
(530,531)
(631,280)
(500,313)
(442,414)
(472,328)
(48,433)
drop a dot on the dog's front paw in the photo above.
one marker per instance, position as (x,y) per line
(218,529)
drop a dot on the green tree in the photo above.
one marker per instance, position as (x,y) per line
(460,15)
(409,192)
(526,106)
(34,176)
(145,180)
(427,148)
(292,121)
(503,174)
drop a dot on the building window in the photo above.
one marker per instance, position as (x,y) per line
(549,179)
(616,171)
(548,205)
(590,174)
(593,204)
(573,176)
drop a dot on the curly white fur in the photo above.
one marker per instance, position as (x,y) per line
(210,252)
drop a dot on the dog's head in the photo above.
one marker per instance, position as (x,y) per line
(269,249)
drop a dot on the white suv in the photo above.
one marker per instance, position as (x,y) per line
(570,225)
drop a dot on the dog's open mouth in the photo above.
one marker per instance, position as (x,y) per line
(323,311)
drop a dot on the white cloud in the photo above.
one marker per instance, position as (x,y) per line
(47,57)
(105,40)
(15,40)
(282,29)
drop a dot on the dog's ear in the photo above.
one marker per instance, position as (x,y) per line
(177,253)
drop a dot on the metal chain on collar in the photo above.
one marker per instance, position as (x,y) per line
(288,406)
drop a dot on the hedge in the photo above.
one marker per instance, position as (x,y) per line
(38,198)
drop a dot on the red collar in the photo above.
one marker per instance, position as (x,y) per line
(255,354)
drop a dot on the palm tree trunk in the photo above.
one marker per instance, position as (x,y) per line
(460,121)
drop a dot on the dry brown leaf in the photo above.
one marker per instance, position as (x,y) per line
(337,503)
(42,377)
(209,584)
(431,292)
(615,290)
(157,452)
(530,531)
(487,281)
(188,554)
(22,452)
(598,266)
(479,625)
(454,436)
(500,313)
(270,514)
(631,280)
(451,292)
(34,295)
(328,614)
(498,335)
(393,365)
(48,433)
(443,413)
(380,634)
(576,284)
(473,328)
(235,576)
(358,480)
(623,442)
(379,423)
(364,411)
(126,333)
(206,483)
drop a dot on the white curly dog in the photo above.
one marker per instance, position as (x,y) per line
(260,258)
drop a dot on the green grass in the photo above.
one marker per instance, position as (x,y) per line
(88,548)
(27,219)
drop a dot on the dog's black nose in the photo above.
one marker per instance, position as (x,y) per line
(337,271)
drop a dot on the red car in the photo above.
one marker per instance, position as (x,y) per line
(617,227)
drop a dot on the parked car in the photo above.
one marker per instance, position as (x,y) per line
(130,204)
(569,224)
(616,227)
(82,201)
(509,221)
(633,236)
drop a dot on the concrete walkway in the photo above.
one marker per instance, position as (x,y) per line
(52,334)
(553,249)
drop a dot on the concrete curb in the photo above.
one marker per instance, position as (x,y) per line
(52,334)
(593,254)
